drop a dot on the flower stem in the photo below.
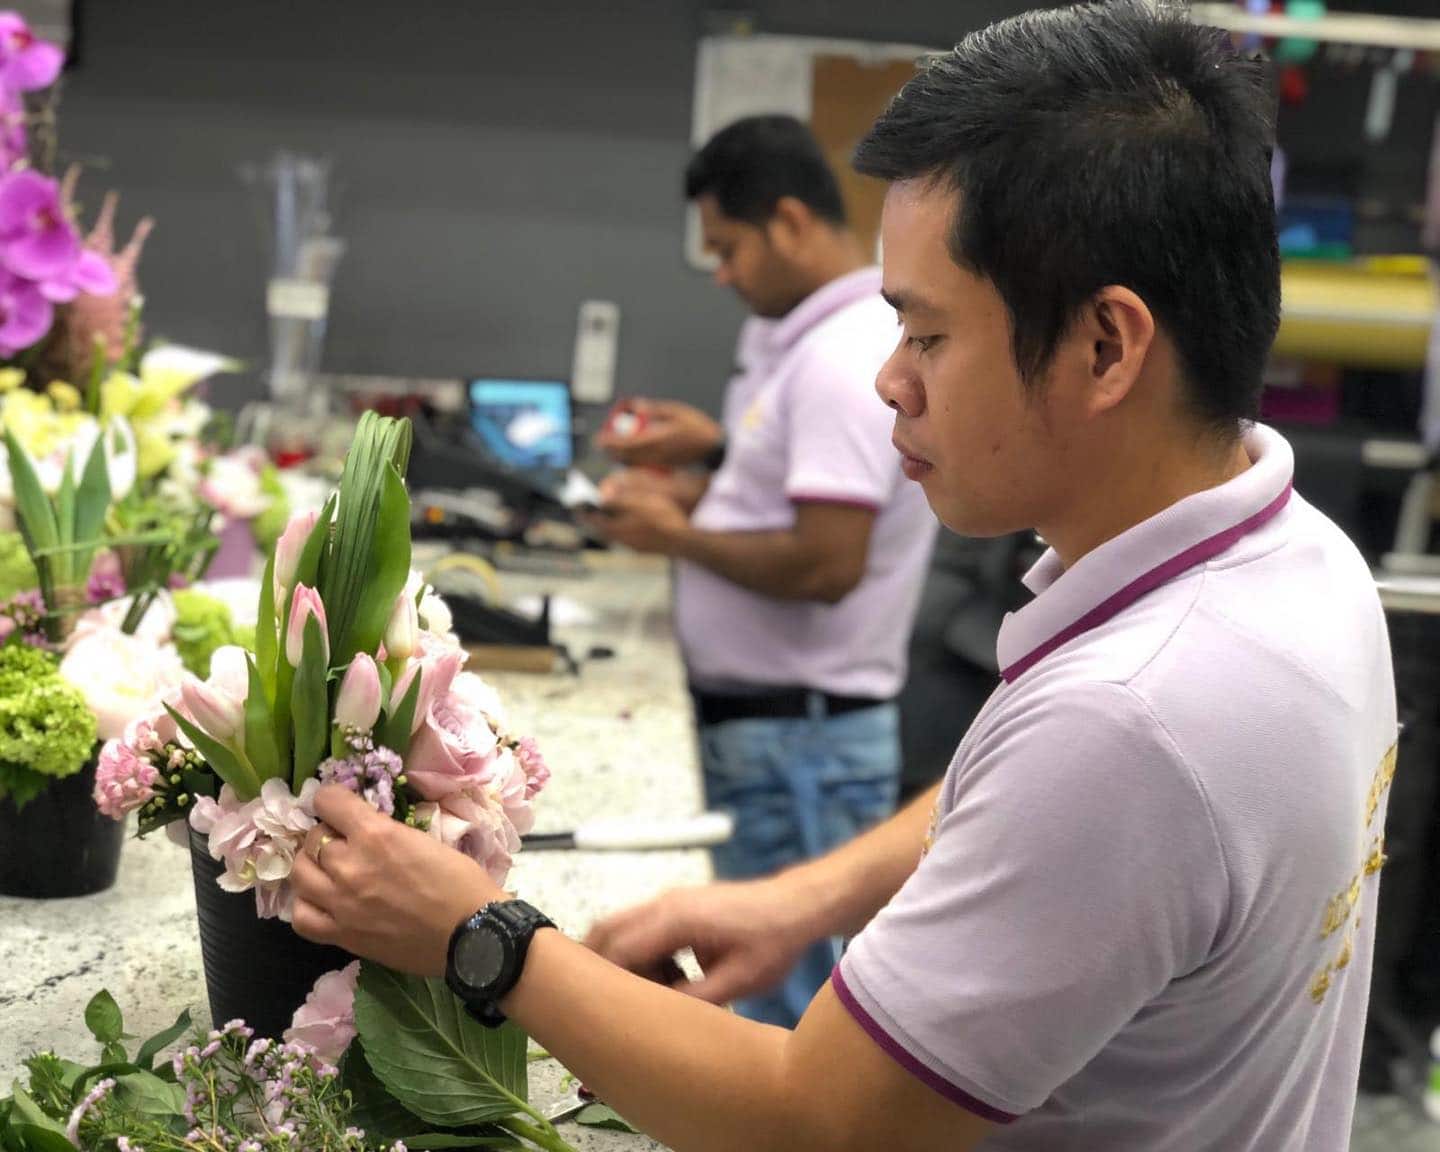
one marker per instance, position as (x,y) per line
(545,1137)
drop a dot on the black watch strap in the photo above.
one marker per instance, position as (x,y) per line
(715,457)
(518,921)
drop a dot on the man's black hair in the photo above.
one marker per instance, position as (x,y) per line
(751,164)
(1106,144)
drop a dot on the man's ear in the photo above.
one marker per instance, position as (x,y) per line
(1115,330)
(789,224)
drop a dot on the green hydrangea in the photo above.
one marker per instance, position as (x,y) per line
(202,624)
(46,729)
(17,573)
(270,523)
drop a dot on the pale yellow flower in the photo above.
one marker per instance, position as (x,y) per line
(66,396)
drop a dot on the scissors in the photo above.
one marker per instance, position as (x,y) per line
(568,1106)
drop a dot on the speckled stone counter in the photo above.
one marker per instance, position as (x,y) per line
(619,742)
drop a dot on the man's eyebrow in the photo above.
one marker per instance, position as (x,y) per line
(903,302)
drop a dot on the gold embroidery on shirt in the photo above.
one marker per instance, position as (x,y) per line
(931,830)
(754,416)
(1342,909)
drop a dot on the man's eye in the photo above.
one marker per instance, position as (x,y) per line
(921,343)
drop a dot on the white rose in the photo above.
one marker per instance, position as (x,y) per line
(435,614)
(121,677)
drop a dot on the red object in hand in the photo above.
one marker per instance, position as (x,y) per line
(624,421)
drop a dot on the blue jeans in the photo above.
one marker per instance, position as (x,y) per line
(797,789)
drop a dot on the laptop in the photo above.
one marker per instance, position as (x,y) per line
(526,427)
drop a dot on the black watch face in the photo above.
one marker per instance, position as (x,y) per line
(479,957)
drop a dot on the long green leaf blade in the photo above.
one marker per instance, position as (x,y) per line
(389,567)
(394,732)
(266,645)
(162,1040)
(33,511)
(259,728)
(92,501)
(441,1064)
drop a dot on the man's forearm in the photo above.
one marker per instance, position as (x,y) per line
(771,563)
(844,889)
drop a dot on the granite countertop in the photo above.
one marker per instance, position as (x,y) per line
(618,739)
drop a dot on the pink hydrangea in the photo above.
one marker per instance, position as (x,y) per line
(124,780)
(325,1023)
(258,840)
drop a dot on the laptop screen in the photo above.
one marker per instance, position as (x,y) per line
(524,424)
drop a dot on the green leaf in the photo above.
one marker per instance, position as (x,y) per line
(24,1111)
(149,1095)
(387,571)
(92,1076)
(438,1061)
(310,706)
(65,562)
(227,765)
(394,731)
(603,1116)
(92,501)
(382,1116)
(34,1138)
(307,571)
(33,512)
(102,1017)
(496,1139)
(114,1053)
(259,728)
(162,1040)
(266,647)
(51,1079)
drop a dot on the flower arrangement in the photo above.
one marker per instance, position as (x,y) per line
(225,1090)
(353,678)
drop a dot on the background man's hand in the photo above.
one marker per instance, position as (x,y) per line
(669,435)
(643,519)
(745,936)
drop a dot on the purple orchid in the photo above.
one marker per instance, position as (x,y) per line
(26,64)
(25,314)
(36,239)
(91,274)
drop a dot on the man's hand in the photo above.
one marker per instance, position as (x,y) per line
(669,435)
(647,521)
(745,936)
(382,890)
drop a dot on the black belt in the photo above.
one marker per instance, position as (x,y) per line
(773,704)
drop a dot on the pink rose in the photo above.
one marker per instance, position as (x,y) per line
(124,780)
(537,772)
(452,750)
(477,829)
(505,782)
(325,1023)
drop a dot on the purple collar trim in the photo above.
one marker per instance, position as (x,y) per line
(858,285)
(1160,574)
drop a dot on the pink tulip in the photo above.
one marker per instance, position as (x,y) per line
(291,544)
(358,704)
(218,713)
(401,630)
(305,603)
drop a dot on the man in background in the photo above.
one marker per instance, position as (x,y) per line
(800,550)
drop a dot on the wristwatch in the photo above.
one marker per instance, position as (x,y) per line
(715,456)
(487,955)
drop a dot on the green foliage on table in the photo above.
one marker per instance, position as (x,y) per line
(421,1071)
(17,570)
(203,623)
(47,731)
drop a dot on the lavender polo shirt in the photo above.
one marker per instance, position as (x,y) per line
(1144,916)
(804,424)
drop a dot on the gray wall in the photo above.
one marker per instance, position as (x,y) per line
(497,163)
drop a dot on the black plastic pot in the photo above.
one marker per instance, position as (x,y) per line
(256,970)
(59,844)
